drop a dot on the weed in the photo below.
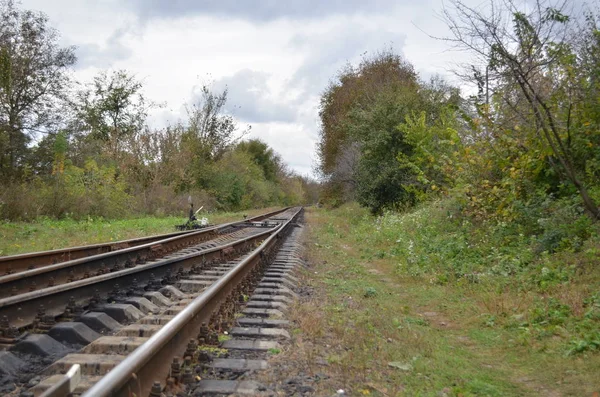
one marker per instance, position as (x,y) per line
(213,350)
(550,312)
(224,337)
(490,320)
(334,359)
(416,321)
(588,343)
(592,305)
(370,292)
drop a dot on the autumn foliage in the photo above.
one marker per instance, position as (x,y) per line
(72,149)
(520,144)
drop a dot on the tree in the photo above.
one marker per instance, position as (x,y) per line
(344,172)
(111,108)
(213,130)
(381,180)
(382,129)
(353,90)
(356,87)
(263,156)
(33,80)
(528,54)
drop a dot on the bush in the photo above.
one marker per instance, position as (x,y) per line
(21,201)
(76,193)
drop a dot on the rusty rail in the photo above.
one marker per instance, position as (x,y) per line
(21,262)
(21,310)
(66,272)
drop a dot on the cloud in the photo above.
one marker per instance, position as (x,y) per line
(328,53)
(292,141)
(259,11)
(104,56)
(251,100)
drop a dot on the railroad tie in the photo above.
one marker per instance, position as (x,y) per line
(262,330)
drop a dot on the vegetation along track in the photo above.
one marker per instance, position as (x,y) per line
(115,313)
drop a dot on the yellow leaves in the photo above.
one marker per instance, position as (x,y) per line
(365,392)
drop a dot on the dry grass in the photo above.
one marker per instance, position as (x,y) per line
(505,303)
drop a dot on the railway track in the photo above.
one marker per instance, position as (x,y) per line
(28,272)
(148,312)
(19,263)
(38,296)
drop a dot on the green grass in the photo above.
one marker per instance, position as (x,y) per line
(46,234)
(223,337)
(464,310)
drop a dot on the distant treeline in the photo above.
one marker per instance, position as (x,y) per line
(78,150)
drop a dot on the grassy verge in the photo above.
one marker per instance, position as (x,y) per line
(46,234)
(424,304)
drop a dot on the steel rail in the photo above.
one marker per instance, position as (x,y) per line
(21,262)
(65,272)
(21,310)
(135,374)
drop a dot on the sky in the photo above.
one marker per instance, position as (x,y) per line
(275,57)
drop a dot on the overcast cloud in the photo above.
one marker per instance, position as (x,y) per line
(259,11)
(274,57)
(253,100)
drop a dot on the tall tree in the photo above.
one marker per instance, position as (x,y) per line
(212,128)
(355,87)
(354,90)
(33,79)
(111,108)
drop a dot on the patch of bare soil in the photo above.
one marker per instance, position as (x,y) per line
(538,389)
(438,320)
(375,271)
